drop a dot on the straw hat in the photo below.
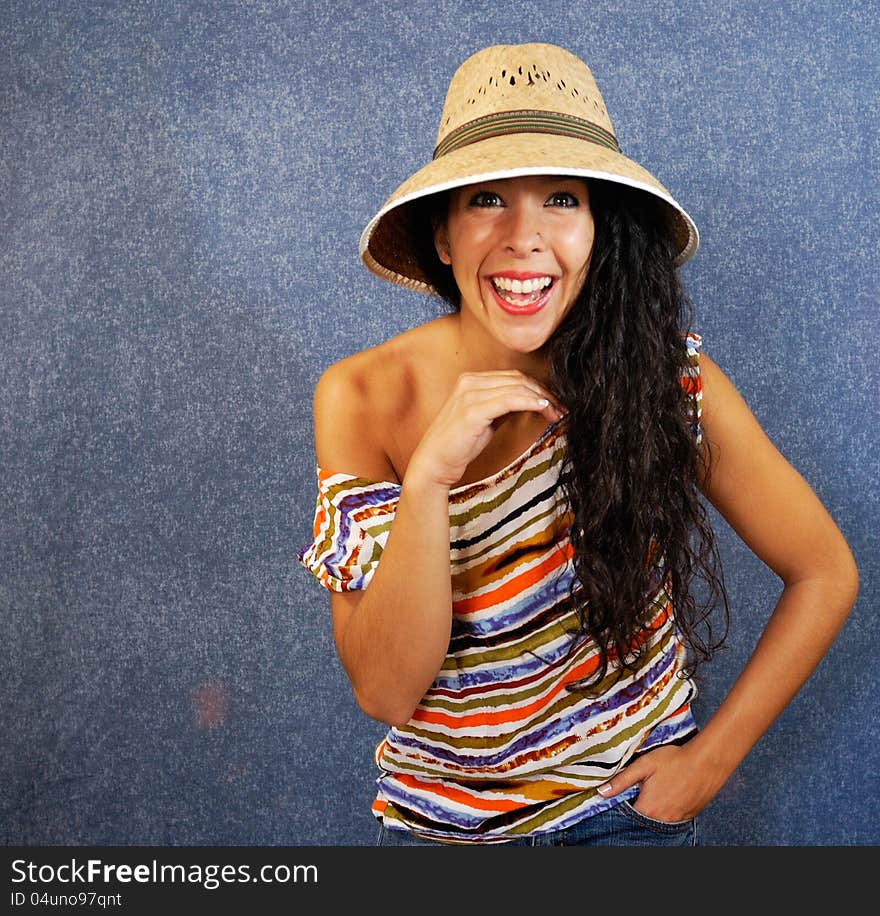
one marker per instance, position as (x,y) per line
(530,109)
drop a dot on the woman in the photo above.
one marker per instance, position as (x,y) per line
(510,515)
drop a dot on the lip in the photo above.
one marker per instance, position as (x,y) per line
(533,307)
(522,274)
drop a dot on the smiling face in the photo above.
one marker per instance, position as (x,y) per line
(519,249)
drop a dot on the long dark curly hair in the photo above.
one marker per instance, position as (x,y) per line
(633,459)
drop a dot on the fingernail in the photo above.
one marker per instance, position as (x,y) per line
(605,789)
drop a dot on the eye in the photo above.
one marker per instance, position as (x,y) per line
(485,199)
(562,199)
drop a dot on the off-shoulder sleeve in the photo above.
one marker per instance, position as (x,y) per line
(692,383)
(352,519)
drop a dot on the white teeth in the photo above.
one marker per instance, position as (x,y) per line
(531,285)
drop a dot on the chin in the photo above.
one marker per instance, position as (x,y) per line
(524,342)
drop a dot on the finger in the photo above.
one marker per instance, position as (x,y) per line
(489,406)
(550,413)
(625,779)
(504,378)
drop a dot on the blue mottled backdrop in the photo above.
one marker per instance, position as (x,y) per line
(182,186)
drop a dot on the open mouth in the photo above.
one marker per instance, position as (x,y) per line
(525,296)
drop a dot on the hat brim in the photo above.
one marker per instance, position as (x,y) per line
(386,255)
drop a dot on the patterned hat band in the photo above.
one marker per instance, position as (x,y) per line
(527,121)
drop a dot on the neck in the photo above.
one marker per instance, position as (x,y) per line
(478,352)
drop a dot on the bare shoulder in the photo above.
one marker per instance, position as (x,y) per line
(725,413)
(728,422)
(362,401)
(349,413)
(716,386)
(759,493)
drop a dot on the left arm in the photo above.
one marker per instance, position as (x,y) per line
(778,516)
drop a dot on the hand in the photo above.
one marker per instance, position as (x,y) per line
(672,784)
(467,421)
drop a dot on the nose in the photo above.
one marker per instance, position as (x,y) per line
(523,228)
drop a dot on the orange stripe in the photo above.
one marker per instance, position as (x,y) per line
(508,714)
(489,571)
(465,798)
(691,385)
(515,586)
(518,713)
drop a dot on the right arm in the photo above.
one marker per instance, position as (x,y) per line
(393,637)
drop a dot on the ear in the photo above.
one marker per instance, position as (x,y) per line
(441,242)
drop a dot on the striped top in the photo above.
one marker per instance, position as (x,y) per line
(499,747)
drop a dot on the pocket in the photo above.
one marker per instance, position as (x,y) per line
(626,809)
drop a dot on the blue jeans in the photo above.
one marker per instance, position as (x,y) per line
(621,825)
